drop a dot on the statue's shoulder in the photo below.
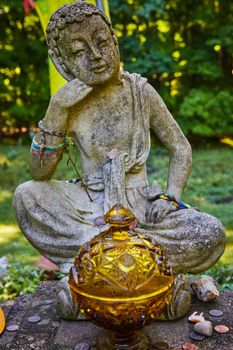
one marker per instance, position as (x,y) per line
(140,84)
(134,78)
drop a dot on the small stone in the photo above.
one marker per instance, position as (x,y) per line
(190,346)
(161,345)
(204,327)
(34,319)
(221,328)
(44,322)
(195,318)
(12,328)
(216,313)
(55,324)
(82,346)
(195,336)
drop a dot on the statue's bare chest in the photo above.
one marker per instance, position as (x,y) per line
(105,123)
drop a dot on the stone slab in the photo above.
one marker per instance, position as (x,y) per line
(177,333)
(36,336)
(14,313)
(53,333)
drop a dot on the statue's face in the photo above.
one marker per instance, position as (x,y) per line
(89,52)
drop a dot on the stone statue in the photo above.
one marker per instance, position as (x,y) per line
(108,114)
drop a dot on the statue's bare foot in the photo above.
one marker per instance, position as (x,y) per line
(65,306)
(180,302)
(204,287)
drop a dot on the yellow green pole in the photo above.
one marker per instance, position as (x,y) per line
(45,8)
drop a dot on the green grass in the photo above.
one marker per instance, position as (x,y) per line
(14,170)
(210,188)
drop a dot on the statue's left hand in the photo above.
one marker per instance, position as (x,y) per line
(158,210)
(71,93)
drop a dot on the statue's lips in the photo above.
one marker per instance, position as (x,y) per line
(99,69)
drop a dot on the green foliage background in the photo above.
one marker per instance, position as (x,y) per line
(184,48)
(24,80)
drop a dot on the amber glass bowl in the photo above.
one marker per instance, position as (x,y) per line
(121,278)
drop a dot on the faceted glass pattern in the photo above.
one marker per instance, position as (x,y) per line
(121,278)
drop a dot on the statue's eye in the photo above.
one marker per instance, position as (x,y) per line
(79,52)
(102,42)
(78,48)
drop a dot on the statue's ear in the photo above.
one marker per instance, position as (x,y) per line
(60,66)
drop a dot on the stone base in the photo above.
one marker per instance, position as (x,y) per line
(53,333)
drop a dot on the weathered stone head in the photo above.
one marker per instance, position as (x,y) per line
(82,43)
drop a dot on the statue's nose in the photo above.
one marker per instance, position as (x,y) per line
(95,54)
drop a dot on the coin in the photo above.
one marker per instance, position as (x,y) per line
(34,319)
(161,345)
(221,328)
(12,328)
(216,313)
(190,346)
(82,346)
(195,336)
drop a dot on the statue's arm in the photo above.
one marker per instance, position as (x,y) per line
(56,119)
(168,131)
(43,166)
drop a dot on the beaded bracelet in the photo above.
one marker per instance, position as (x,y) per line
(42,149)
(42,144)
(50,132)
(177,202)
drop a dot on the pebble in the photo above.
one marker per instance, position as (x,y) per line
(195,336)
(204,328)
(195,318)
(216,313)
(161,345)
(221,328)
(34,319)
(12,328)
(190,346)
(44,322)
(82,346)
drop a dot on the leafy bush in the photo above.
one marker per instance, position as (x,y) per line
(223,274)
(21,279)
(184,48)
(24,78)
(206,113)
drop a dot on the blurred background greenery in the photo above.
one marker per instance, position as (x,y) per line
(184,48)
